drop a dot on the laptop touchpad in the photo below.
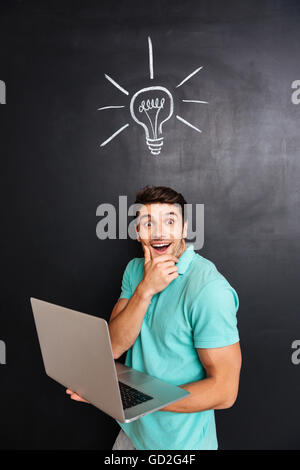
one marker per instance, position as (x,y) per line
(135,378)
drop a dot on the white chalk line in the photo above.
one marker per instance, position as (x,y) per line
(150,57)
(188,123)
(109,107)
(116,84)
(194,101)
(189,76)
(114,135)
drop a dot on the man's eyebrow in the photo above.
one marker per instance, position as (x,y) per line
(171,213)
(148,216)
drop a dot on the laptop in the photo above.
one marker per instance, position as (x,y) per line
(77,353)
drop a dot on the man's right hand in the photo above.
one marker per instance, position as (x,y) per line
(74,396)
(158,272)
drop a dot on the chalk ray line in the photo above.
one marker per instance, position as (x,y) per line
(150,57)
(116,84)
(194,101)
(188,123)
(114,135)
(189,76)
(109,107)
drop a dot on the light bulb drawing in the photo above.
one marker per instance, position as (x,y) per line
(151,107)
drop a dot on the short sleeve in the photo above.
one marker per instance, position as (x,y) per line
(126,289)
(213,315)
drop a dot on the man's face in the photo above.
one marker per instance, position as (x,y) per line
(160,228)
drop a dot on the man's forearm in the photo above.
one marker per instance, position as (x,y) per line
(126,326)
(206,394)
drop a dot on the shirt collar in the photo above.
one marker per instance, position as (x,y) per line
(185,259)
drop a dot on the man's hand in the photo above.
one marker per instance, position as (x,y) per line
(158,272)
(74,396)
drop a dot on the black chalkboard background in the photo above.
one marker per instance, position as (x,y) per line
(244,167)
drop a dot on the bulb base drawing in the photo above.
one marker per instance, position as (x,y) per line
(155,145)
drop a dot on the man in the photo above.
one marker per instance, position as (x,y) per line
(176,318)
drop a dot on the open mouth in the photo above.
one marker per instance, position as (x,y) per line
(160,247)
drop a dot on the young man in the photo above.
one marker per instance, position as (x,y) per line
(176,318)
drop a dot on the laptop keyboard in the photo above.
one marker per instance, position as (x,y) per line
(132,397)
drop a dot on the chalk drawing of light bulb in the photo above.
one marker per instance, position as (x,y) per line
(151,107)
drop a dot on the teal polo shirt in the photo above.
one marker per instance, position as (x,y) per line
(196,310)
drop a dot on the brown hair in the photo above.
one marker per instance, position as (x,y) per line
(162,194)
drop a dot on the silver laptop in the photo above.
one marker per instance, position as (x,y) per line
(77,353)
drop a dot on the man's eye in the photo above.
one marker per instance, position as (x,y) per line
(147,224)
(170,221)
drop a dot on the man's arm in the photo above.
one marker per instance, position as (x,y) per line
(220,387)
(125,324)
(126,320)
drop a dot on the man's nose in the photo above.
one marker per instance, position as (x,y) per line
(156,231)
(162,231)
